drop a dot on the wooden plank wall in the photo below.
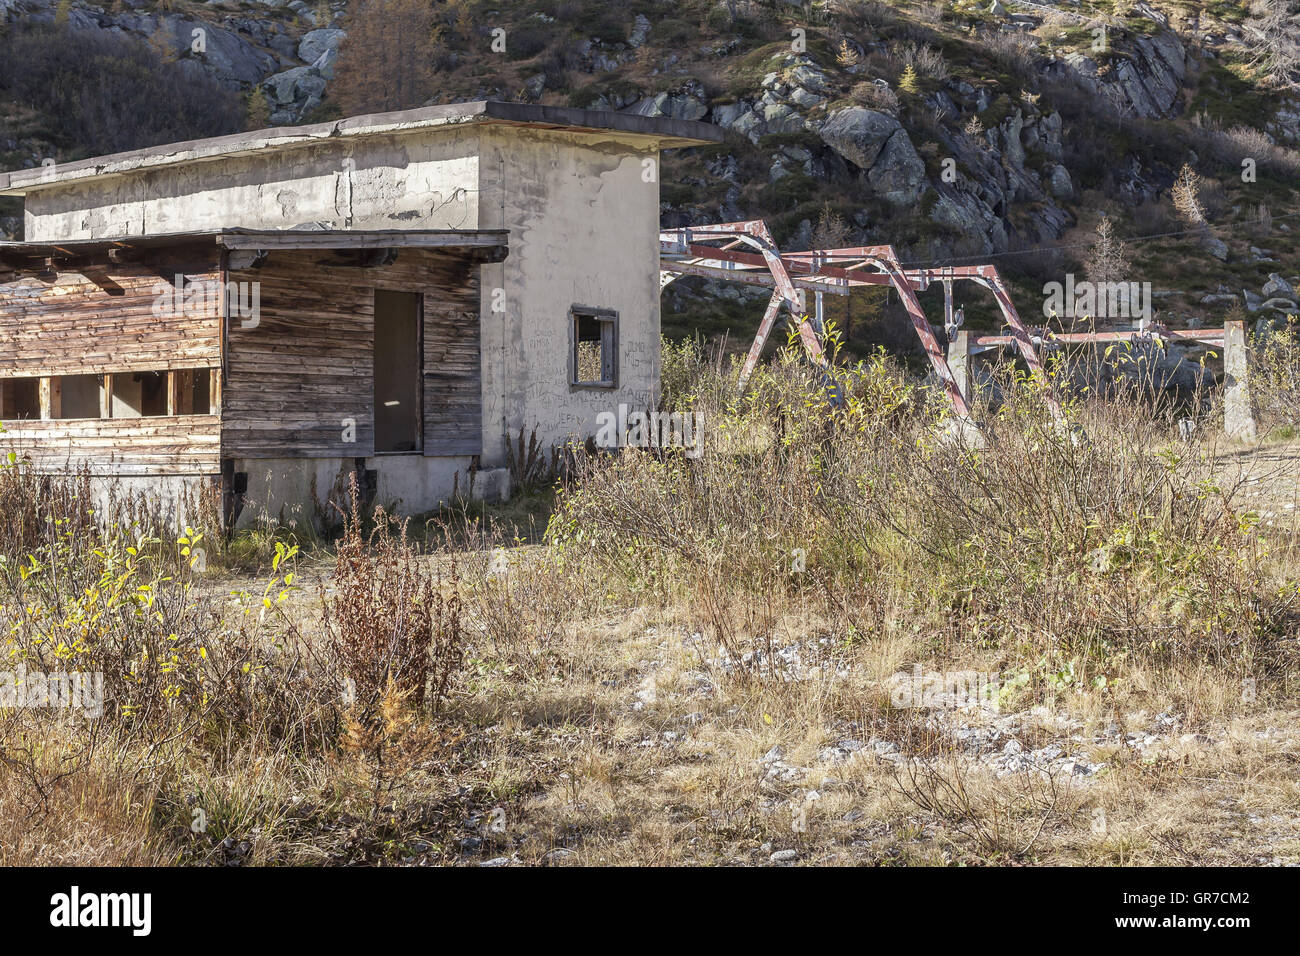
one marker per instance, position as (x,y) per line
(453,371)
(290,381)
(305,369)
(101,319)
(119,446)
(105,321)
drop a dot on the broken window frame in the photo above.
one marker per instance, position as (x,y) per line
(608,319)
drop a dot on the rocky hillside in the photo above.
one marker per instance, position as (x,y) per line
(951,128)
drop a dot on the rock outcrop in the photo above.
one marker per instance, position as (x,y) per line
(1141,77)
(880,148)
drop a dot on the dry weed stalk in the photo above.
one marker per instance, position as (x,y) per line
(390,620)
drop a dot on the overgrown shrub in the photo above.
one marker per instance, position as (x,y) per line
(1275,379)
(1096,536)
(390,619)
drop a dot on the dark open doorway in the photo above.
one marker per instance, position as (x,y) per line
(398,365)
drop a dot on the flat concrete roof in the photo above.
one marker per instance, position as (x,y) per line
(269,239)
(662,132)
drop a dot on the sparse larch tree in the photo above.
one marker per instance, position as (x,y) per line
(1186,195)
(832,231)
(1107,260)
(259,111)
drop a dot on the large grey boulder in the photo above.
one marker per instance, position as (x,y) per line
(727,115)
(682,106)
(1059,183)
(858,134)
(898,175)
(806,98)
(782,118)
(740,117)
(293,93)
(878,145)
(1277,286)
(318,43)
(808,76)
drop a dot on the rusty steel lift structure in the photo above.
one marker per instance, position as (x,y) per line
(745,252)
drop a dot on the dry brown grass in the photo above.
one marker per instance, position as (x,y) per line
(614,694)
(95,817)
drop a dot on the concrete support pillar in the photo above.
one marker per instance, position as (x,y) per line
(1238,417)
(959,360)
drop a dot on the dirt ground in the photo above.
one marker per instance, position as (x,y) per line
(629,741)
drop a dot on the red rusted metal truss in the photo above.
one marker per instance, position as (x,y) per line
(745,252)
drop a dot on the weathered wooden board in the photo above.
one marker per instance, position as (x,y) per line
(298,378)
(185,445)
(453,389)
(111,318)
(300,382)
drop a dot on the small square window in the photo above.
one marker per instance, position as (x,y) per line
(594,357)
(139,394)
(79,396)
(20,398)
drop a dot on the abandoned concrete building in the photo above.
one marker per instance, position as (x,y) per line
(393,295)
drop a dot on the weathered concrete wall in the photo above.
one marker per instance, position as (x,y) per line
(298,491)
(584,230)
(176,500)
(379,182)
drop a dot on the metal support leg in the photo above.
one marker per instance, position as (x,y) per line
(922,325)
(764,329)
